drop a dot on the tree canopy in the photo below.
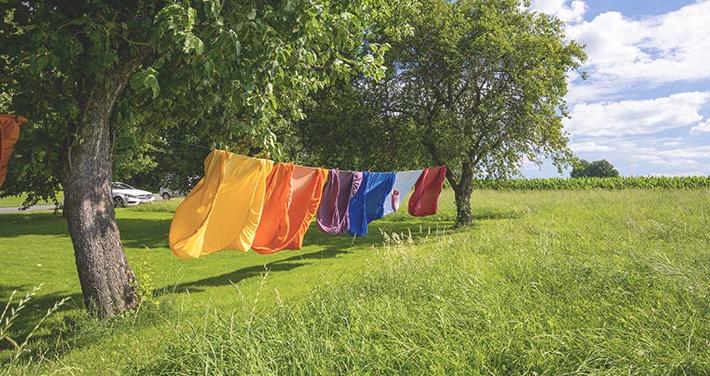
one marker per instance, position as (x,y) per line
(596,169)
(109,84)
(230,72)
(478,86)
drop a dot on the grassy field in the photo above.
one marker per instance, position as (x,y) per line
(559,282)
(16,201)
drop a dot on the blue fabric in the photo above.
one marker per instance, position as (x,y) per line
(369,201)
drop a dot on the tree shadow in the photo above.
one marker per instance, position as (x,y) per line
(497,215)
(332,246)
(34,310)
(238,275)
(140,233)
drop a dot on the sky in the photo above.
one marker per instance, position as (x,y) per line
(645,105)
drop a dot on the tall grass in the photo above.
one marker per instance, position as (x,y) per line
(453,310)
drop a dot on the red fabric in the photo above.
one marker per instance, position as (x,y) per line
(425,199)
(9,134)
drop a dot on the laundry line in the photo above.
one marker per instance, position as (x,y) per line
(244,203)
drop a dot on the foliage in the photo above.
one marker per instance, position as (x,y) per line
(344,129)
(597,169)
(477,86)
(632,182)
(232,73)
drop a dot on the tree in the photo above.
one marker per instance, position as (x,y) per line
(96,76)
(579,168)
(478,85)
(597,169)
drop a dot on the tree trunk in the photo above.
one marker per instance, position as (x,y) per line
(107,282)
(462,196)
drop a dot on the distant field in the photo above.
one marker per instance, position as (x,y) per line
(631,182)
(545,282)
(16,201)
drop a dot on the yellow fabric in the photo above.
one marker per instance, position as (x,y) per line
(224,209)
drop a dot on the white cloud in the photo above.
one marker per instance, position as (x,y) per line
(703,127)
(588,146)
(624,52)
(616,113)
(571,12)
(635,117)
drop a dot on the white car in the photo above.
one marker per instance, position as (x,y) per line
(167,193)
(124,195)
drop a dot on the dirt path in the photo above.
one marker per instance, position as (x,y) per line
(34,208)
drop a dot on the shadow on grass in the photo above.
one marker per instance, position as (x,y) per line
(238,275)
(153,233)
(33,311)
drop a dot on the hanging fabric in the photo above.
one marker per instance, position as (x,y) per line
(333,211)
(424,200)
(9,134)
(274,225)
(290,207)
(403,183)
(367,204)
(224,209)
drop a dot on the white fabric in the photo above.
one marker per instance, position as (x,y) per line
(403,183)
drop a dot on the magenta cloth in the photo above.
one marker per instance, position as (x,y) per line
(332,217)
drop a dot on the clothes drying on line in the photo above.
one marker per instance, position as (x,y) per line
(224,209)
(293,196)
(9,134)
(403,184)
(367,204)
(424,200)
(333,211)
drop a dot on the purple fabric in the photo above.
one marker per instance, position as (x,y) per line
(332,217)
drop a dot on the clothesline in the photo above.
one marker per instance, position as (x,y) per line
(247,203)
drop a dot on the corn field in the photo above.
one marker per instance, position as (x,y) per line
(645,182)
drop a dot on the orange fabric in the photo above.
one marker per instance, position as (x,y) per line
(273,229)
(291,205)
(9,134)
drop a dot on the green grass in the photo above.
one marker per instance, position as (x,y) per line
(591,282)
(17,201)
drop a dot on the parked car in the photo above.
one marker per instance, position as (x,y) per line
(124,195)
(167,193)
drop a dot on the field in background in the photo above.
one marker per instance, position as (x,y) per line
(546,282)
(631,182)
(16,201)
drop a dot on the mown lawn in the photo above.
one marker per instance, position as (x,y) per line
(556,282)
(17,201)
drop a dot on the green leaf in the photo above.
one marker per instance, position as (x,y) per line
(235,38)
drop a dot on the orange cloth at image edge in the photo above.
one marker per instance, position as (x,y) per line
(224,209)
(9,134)
(293,211)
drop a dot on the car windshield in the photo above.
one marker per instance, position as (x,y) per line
(121,186)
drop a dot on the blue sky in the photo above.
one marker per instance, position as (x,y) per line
(646,104)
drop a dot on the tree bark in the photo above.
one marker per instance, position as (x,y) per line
(107,281)
(462,196)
